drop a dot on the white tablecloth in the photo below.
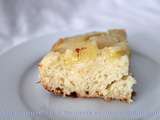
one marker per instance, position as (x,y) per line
(20,20)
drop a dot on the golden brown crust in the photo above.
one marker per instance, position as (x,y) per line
(59,91)
(55,47)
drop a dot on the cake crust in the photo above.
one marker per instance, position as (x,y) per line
(59,92)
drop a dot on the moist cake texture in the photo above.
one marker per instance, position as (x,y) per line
(91,65)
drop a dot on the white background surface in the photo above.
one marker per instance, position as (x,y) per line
(21,20)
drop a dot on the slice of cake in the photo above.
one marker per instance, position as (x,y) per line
(91,65)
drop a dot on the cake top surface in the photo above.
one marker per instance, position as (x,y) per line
(112,43)
(100,39)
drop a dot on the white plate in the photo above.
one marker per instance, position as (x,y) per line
(20,96)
